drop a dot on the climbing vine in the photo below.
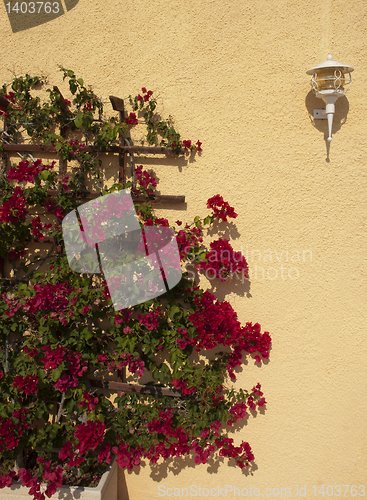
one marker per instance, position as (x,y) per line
(59,330)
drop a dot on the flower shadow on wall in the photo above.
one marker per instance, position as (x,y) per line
(238,283)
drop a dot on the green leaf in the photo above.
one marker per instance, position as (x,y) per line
(173,357)
(56,373)
(78,120)
(73,87)
(175,311)
(44,175)
(80,81)
(87,334)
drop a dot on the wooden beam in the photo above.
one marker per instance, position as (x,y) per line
(4,103)
(135,388)
(156,198)
(149,150)
(63,164)
(118,105)
(160,198)
(152,150)
(33,148)
(63,105)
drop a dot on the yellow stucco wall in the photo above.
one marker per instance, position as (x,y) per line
(232,73)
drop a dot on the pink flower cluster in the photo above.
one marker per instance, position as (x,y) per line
(238,410)
(87,107)
(252,340)
(215,322)
(176,443)
(242,453)
(37,227)
(54,209)
(89,437)
(64,181)
(123,316)
(6,480)
(187,239)
(12,303)
(52,298)
(27,384)
(144,180)
(75,145)
(189,146)
(53,478)
(150,320)
(89,402)
(25,171)
(222,261)
(10,97)
(156,222)
(185,340)
(75,369)
(16,254)
(14,208)
(146,96)
(131,119)
(52,357)
(10,432)
(221,208)
(182,385)
(255,341)
(202,454)
(74,366)
(134,363)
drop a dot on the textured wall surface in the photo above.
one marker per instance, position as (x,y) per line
(232,73)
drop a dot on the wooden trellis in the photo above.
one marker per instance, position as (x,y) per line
(123,150)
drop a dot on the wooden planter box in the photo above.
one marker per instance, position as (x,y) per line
(106,490)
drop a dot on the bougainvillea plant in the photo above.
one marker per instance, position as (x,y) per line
(58,329)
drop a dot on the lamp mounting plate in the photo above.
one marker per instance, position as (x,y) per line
(319,114)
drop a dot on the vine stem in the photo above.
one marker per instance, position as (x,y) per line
(59,413)
(48,256)
(6,367)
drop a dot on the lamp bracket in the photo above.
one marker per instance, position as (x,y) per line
(320,114)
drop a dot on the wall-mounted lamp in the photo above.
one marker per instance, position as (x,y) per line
(329,80)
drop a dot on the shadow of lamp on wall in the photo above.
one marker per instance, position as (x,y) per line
(330,80)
